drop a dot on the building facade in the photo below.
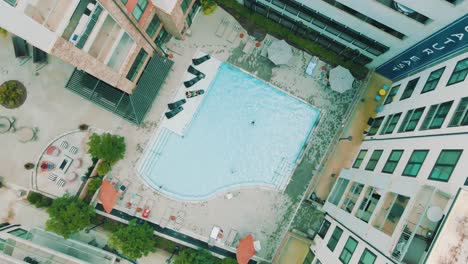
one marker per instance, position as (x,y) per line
(369,32)
(389,206)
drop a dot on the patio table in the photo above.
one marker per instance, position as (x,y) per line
(5,124)
(25,134)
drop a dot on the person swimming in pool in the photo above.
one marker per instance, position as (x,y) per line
(252,123)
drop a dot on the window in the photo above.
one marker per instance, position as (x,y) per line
(318,261)
(391,94)
(367,257)
(433,80)
(184,5)
(348,250)
(360,158)
(435,117)
(137,64)
(459,73)
(309,257)
(324,228)
(338,191)
(460,117)
(153,26)
(368,204)
(392,161)
(124,1)
(139,9)
(411,120)
(374,159)
(392,208)
(352,197)
(162,37)
(409,89)
(19,232)
(445,164)
(390,124)
(415,163)
(375,126)
(335,237)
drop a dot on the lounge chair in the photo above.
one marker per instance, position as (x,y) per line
(191,82)
(222,27)
(52,177)
(173,112)
(61,182)
(64,144)
(196,72)
(200,60)
(176,104)
(190,94)
(73,150)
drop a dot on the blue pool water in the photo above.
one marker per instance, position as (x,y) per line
(222,149)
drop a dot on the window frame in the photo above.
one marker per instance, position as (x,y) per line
(411,118)
(376,126)
(432,82)
(335,237)
(391,94)
(445,165)
(359,159)
(137,65)
(140,6)
(393,163)
(324,226)
(390,124)
(347,250)
(374,159)
(463,120)
(409,89)
(413,163)
(152,27)
(364,254)
(463,71)
(435,113)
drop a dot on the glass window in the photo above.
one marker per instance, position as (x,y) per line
(393,207)
(348,250)
(184,5)
(460,117)
(139,9)
(124,1)
(375,126)
(415,163)
(411,120)
(324,228)
(409,89)
(374,159)
(459,73)
(445,165)
(309,258)
(368,204)
(318,261)
(137,64)
(360,158)
(338,191)
(367,257)
(352,197)
(391,94)
(392,161)
(433,80)
(435,117)
(335,237)
(390,124)
(153,26)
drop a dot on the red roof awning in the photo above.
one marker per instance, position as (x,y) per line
(245,250)
(108,196)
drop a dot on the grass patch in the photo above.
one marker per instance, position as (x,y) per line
(279,31)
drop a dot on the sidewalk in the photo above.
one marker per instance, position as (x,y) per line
(345,151)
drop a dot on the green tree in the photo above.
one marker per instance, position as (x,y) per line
(94,184)
(228,261)
(68,215)
(133,241)
(10,94)
(110,148)
(191,256)
(103,168)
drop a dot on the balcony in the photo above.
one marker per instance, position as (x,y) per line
(50,13)
(420,226)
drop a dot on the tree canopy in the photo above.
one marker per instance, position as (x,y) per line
(110,148)
(192,256)
(133,241)
(68,215)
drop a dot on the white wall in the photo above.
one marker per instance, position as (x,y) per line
(166,5)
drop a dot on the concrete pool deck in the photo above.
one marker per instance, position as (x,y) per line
(265,213)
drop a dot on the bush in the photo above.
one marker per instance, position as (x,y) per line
(94,184)
(110,148)
(112,226)
(166,244)
(39,200)
(208,6)
(11,94)
(103,168)
(133,241)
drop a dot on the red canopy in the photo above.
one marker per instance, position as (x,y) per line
(245,250)
(108,196)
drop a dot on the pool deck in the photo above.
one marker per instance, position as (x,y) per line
(263,212)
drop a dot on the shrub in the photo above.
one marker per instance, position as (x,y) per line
(103,168)
(94,184)
(208,6)
(10,94)
(45,202)
(110,148)
(112,226)
(166,244)
(39,200)
(34,198)
(133,241)
(3,32)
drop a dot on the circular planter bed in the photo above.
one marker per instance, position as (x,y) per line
(12,94)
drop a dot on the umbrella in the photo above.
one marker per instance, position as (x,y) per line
(279,52)
(245,250)
(341,79)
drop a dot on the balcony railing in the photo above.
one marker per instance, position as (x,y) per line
(11,2)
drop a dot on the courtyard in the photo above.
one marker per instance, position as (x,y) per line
(265,213)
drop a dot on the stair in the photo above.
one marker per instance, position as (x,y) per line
(155,151)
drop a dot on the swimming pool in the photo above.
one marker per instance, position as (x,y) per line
(245,133)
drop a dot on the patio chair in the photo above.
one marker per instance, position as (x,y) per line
(222,27)
(73,150)
(201,60)
(176,104)
(52,177)
(21,49)
(61,182)
(173,112)
(234,33)
(195,72)
(191,82)
(64,144)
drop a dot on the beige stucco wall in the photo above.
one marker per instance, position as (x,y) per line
(174,22)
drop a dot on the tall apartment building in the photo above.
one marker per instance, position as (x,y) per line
(116,45)
(366,31)
(392,204)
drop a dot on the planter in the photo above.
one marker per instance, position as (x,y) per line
(12,94)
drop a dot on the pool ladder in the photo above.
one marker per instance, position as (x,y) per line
(156,150)
(282,174)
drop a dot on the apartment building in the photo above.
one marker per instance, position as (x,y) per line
(115,45)
(369,32)
(391,205)
(19,245)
